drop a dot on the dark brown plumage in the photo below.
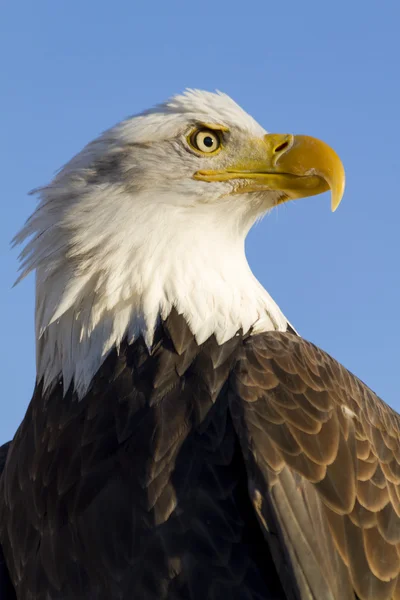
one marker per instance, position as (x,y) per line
(257,470)
(324,451)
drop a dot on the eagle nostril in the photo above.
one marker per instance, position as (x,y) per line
(281,147)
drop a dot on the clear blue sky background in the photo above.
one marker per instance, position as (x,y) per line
(330,69)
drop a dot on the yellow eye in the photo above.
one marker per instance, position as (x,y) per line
(206,141)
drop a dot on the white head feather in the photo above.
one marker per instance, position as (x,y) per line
(124,233)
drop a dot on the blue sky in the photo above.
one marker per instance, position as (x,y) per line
(72,69)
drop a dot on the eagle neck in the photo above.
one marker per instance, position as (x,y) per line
(192,261)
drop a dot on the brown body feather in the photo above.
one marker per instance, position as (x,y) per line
(257,470)
(324,450)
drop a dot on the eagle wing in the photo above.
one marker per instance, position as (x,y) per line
(322,454)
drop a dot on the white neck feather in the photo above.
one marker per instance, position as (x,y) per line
(200,268)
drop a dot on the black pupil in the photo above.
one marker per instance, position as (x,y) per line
(208,141)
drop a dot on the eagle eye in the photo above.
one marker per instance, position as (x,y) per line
(205,141)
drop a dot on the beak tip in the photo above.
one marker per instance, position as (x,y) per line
(337,194)
(335,201)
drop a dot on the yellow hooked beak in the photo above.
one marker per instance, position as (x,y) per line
(297,165)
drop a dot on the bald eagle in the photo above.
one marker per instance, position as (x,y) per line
(183,442)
